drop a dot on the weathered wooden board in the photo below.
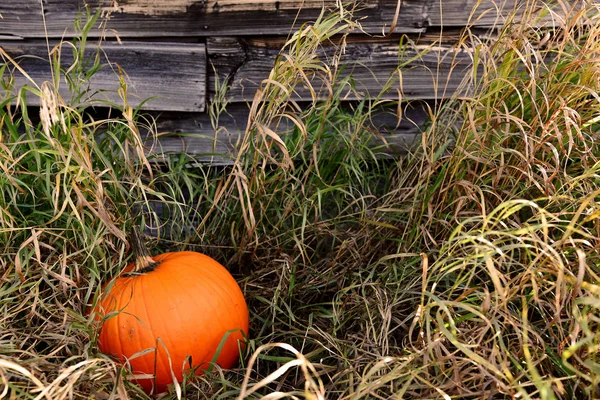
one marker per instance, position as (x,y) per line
(427,72)
(184,18)
(202,18)
(491,13)
(193,133)
(494,13)
(173,74)
(469,12)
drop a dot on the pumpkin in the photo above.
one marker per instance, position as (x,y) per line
(168,314)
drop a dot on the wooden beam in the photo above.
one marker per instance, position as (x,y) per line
(205,18)
(494,13)
(468,12)
(173,74)
(194,134)
(197,18)
(426,71)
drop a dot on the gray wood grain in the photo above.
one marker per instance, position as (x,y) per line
(426,72)
(206,18)
(173,74)
(496,13)
(194,134)
(203,18)
(181,18)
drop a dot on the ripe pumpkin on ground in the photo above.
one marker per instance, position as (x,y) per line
(166,314)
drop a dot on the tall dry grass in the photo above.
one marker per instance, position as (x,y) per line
(467,269)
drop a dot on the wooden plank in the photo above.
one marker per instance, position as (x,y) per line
(203,18)
(173,73)
(193,133)
(493,13)
(428,72)
(468,12)
(199,18)
(160,7)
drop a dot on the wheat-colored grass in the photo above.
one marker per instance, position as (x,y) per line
(468,269)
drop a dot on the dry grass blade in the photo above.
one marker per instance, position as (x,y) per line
(468,269)
(313,386)
(8,367)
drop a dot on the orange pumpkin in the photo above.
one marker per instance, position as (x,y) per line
(170,313)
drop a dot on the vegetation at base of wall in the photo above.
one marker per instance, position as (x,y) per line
(467,269)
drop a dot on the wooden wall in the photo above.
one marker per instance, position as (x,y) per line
(176,50)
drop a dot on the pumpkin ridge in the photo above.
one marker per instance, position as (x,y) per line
(222,297)
(168,342)
(156,362)
(132,316)
(216,280)
(199,361)
(214,302)
(207,306)
(121,313)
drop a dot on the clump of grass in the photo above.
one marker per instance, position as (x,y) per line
(70,186)
(465,270)
(512,210)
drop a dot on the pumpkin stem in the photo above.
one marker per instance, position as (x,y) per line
(143,262)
